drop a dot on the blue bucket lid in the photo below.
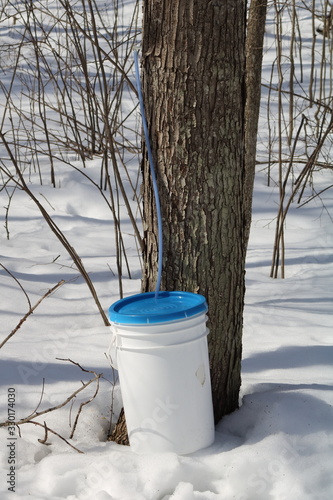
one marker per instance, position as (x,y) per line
(144,308)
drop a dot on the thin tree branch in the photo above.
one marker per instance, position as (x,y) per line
(36,414)
(19,284)
(31,310)
(48,429)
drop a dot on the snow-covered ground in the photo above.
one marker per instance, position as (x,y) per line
(277,446)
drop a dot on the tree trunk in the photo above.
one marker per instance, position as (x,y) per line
(194,90)
(194,77)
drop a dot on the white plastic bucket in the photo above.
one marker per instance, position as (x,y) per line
(159,347)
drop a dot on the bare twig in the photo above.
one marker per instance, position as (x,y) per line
(31,310)
(48,429)
(44,441)
(97,377)
(40,399)
(114,382)
(19,284)
(36,414)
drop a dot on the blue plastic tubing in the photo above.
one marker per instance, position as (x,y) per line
(153,175)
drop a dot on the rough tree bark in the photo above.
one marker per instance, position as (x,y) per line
(193,60)
(194,88)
